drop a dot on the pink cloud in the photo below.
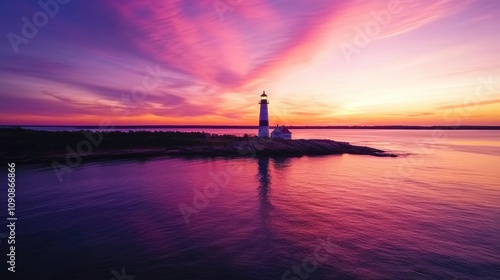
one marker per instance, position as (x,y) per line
(415,14)
(258,40)
(338,21)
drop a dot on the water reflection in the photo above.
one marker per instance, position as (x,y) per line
(264,177)
(281,162)
(264,183)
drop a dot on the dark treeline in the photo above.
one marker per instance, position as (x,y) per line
(18,140)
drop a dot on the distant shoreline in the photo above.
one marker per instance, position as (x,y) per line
(381,127)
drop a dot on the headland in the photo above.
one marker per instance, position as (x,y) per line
(37,146)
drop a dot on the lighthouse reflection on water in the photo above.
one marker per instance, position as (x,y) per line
(264,178)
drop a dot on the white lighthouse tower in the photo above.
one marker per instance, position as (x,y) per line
(263,117)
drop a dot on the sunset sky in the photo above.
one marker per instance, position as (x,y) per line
(322,62)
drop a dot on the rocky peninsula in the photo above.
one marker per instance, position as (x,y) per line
(280,147)
(36,146)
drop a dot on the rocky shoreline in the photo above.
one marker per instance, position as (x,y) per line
(278,147)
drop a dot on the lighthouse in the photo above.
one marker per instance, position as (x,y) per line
(263,117)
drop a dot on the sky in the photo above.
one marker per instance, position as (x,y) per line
(206,62)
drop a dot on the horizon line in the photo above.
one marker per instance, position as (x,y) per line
(447,127)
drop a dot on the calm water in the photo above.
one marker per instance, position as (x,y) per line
(432,213)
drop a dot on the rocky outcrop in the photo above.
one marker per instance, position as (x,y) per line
(275,147)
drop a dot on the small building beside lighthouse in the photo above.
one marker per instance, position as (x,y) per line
(263,117)
(281,132)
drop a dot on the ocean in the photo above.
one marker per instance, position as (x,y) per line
(431,213)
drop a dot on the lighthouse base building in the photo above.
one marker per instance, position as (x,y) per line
(281,132)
